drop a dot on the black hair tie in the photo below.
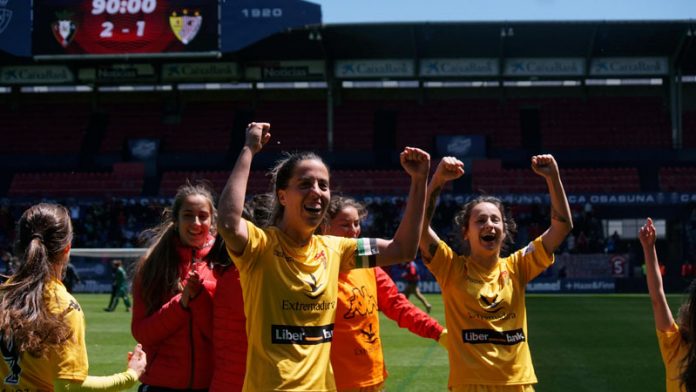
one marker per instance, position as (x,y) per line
(39,236)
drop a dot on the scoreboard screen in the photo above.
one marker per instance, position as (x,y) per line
(113,27)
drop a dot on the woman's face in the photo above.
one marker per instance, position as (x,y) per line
(485,230)
(346,223)
(307,195)
(194,220)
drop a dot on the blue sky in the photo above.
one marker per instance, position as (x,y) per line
(364,11)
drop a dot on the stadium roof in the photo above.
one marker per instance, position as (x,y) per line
(580,39)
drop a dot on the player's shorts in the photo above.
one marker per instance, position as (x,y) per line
(494,388)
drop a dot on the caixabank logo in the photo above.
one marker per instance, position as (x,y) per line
(291,334)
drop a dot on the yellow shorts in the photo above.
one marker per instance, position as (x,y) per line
(494,388)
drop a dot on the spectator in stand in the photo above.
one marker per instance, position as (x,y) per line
(411,276)
(483,293)
(287,264)
(42,327)
(70,277)
(674,337)
(119,287)
(356,349)
(173,295)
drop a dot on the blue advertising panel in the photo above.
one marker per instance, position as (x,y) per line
(243,22)
(15,27)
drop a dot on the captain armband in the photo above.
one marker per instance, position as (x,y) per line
(366,254)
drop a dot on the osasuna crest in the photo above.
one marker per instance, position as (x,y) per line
(185,26)
(63,29)
(5,16)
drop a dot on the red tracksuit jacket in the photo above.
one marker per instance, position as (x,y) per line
(229,332)
(178,341)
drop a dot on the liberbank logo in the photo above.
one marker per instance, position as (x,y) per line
(505,338)
(290,334)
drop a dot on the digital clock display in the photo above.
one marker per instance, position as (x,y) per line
(107,27)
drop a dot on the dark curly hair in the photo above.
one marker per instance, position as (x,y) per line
(461,221)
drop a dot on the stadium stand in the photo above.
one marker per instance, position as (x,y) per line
(55,128)
(126,179)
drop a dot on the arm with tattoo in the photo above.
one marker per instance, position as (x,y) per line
(449,169)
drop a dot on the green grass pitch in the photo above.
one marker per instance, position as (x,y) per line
(578,343)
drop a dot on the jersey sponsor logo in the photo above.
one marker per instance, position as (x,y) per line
(308,307)
(505,338)
(361,303)
(369,335)
(291,334)
(73,305)
(489,304)
(314,286)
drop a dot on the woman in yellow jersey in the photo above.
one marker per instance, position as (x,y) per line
(42,327)
(289,276)
(356,350)
(675,339)
(484,293)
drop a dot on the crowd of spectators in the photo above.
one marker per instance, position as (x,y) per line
(118,223)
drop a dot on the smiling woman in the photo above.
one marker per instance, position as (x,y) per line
(172,294)
(289,275)
(484,293)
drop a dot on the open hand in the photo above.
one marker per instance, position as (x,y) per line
(415,161)
(257,135)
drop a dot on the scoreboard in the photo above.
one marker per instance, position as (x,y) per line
(124,27)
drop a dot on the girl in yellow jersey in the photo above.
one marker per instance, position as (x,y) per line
(484,294)
(675,339)
(289,276)
(42,327)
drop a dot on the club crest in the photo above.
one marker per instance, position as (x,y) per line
(5,17)
(64,28)
(185,27)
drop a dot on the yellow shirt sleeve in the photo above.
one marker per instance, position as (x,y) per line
(257,241)
(673,350)
(441,263)
(72,361)
(116,382)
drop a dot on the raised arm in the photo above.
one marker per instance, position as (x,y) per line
(663,315)
(404,245)
(561,218)
(448,169)
(230,223)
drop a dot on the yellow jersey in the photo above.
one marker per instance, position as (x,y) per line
(290,296)
(673,350)
(21,371)
(486,315)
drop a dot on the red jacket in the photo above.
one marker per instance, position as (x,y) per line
(178,341)
(229,332)
(398,308)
